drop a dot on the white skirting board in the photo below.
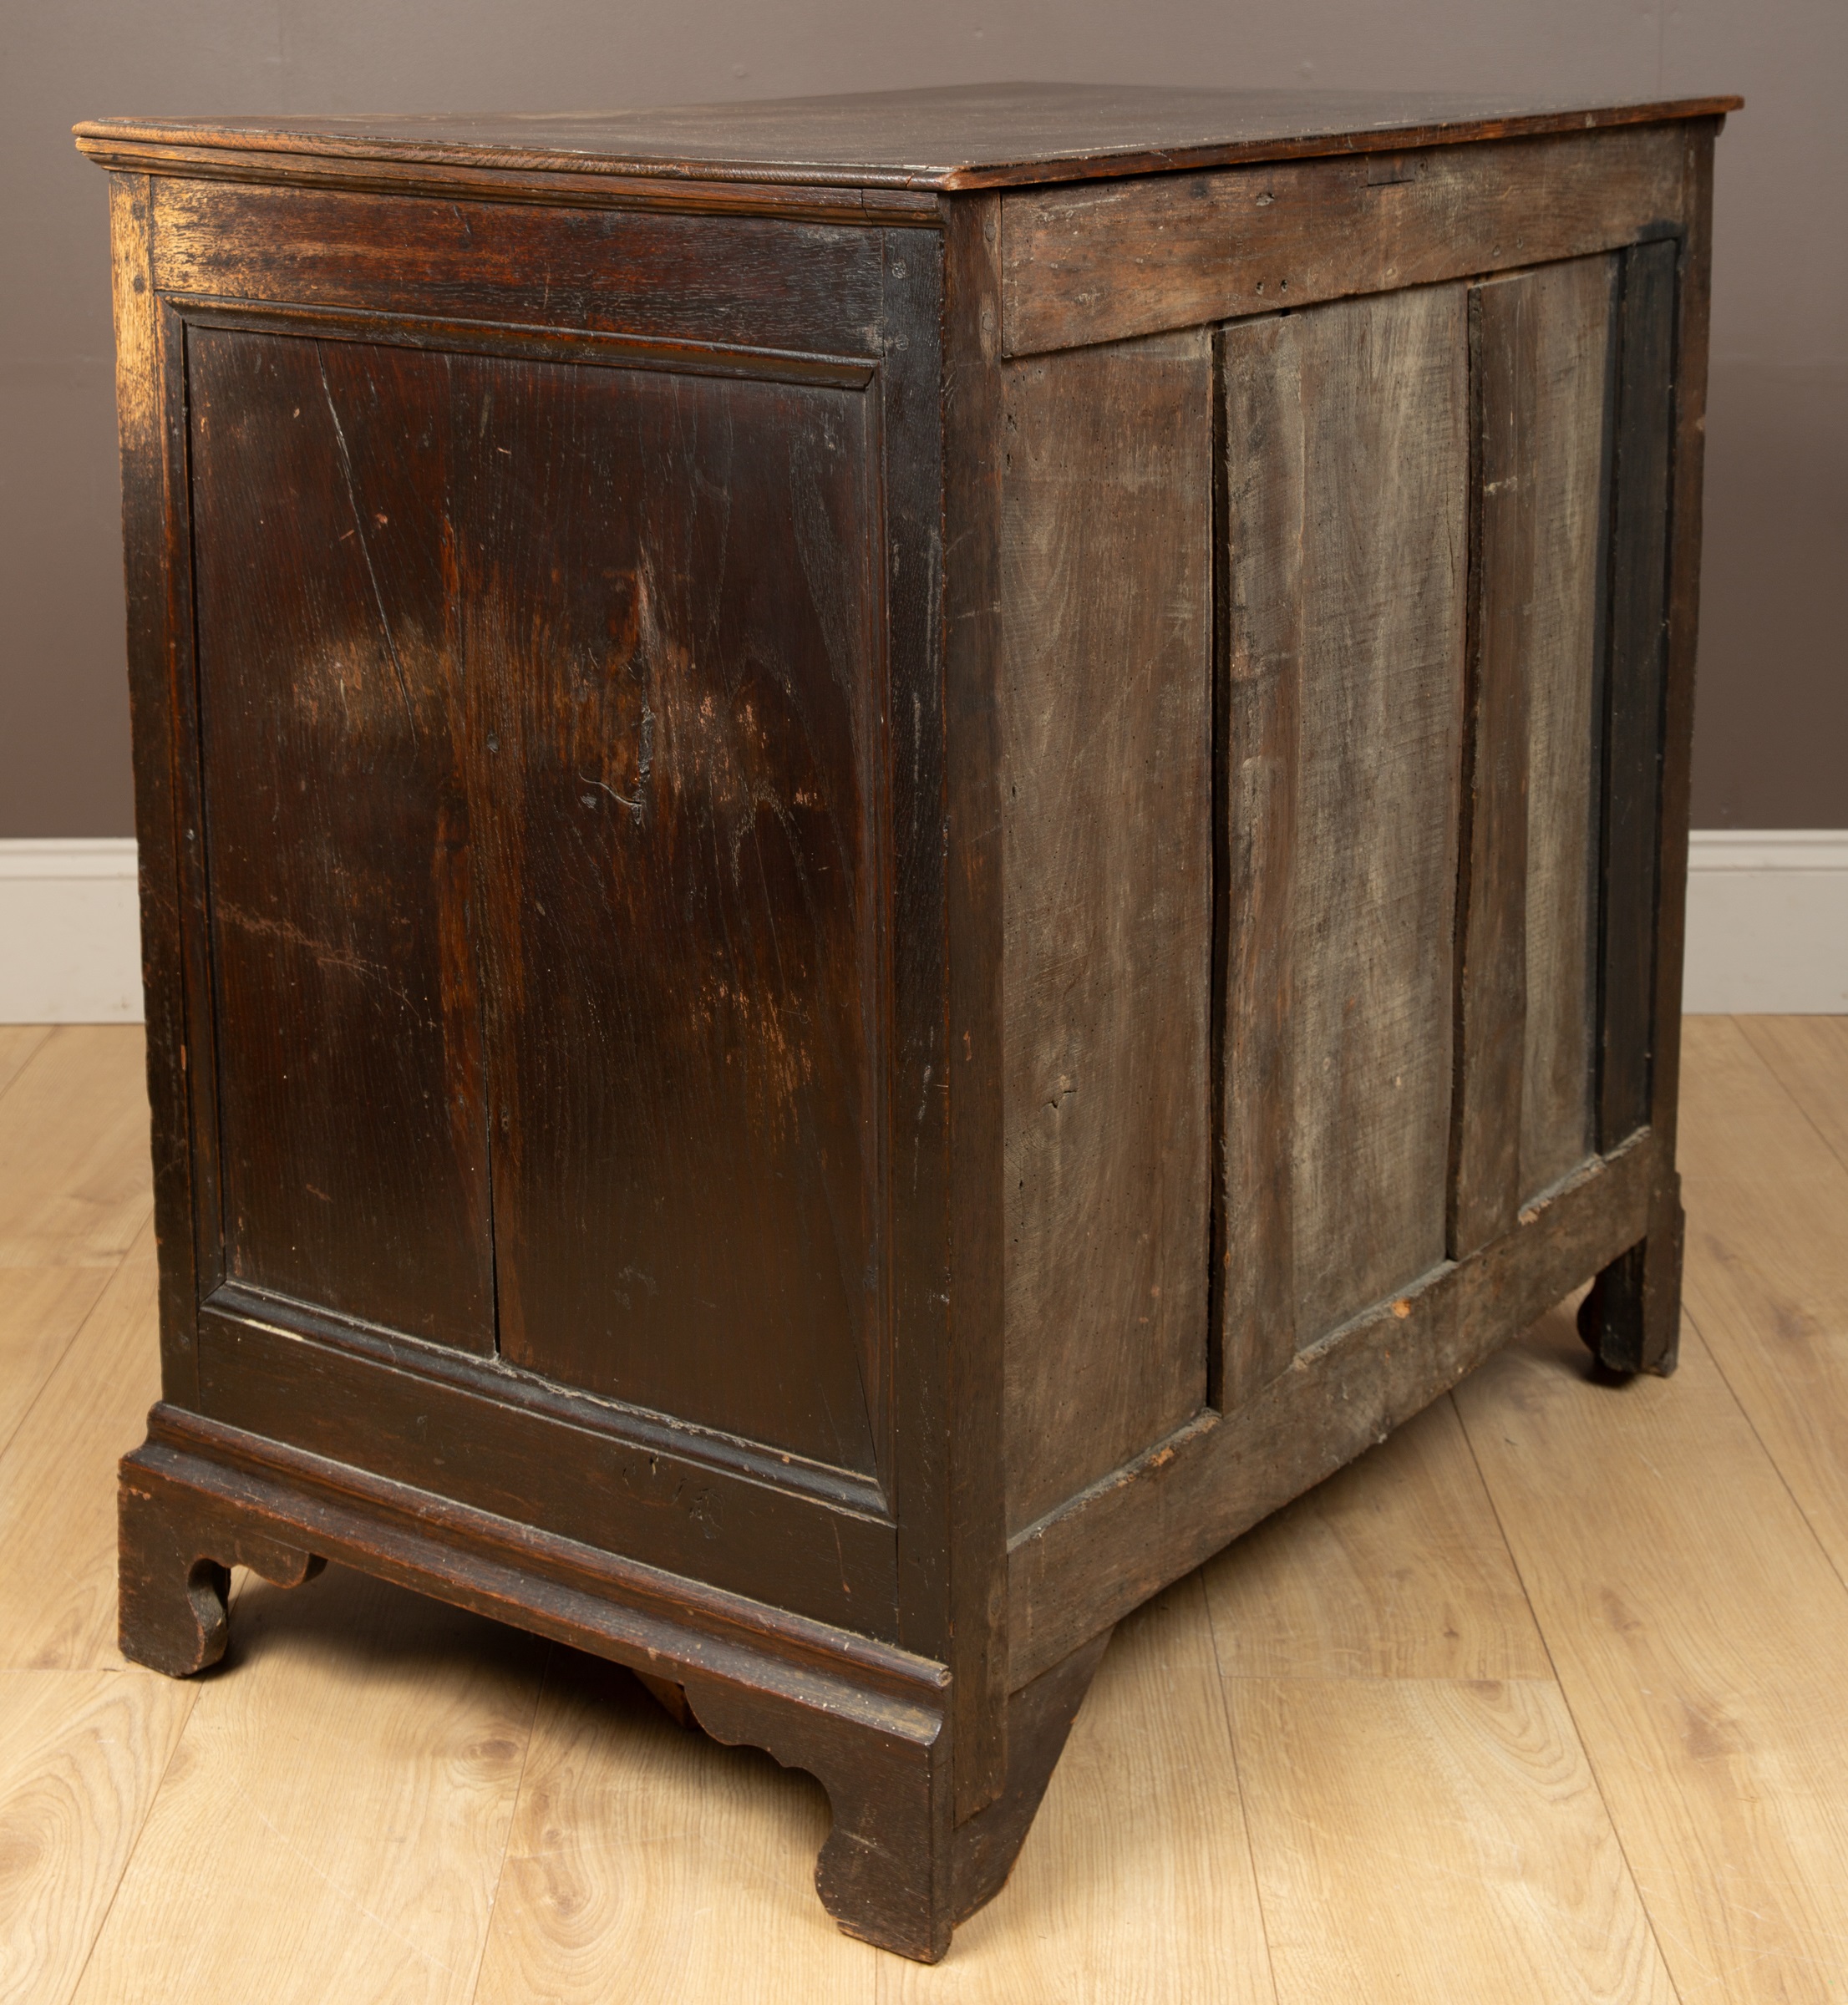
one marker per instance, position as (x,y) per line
(1767,922)
(70,931)
(1767,926)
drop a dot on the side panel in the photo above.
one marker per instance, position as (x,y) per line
(540,706)
(352,1114)
(1539,363)
(1106,590)
(1346,484)
(671,592)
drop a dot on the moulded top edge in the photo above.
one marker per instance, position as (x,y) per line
(984,136)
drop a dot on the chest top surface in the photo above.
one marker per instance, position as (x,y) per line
(963,137)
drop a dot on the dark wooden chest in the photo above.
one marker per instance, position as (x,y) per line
(895,853)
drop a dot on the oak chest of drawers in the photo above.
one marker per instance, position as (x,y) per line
(895,853)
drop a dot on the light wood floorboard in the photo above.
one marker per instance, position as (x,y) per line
(1393,1568)
(57,1480)
(1809,1056)
(1700,1635)
(41,1310)
(1135,1883)
(81,1755)
(1542,1700)
(1767,1262)
(75,1186)
(18,1042)
(333,1823)
(1420,1839)
(648,1860)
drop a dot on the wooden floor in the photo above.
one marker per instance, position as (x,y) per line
(1546,1699)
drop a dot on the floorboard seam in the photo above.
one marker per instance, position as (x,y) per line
(1784,1086)
(1764,1448)
(31,1407)
(1238,1780)
(1571,1712)
(513,1818)
(31,1056)
(134,1845)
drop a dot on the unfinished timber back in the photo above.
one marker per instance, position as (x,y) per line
(895,853)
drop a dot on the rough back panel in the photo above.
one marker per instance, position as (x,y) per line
(1544,357)
(1347,476)
(1105,698)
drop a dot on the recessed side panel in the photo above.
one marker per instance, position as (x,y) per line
(671,615)
(1346,484)
(352,1124)
(1106,799)
(1542,349)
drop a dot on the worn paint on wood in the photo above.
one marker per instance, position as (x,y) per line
(1347,576)
(1106,570)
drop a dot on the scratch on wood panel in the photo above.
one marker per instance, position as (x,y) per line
(365,548)
(325,956)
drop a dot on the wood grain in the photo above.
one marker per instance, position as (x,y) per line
(671,590)
(1521,1892)
(1135,1882)
(969,1487)
(1767,1261)
(81,1753)
(961,135)
(1561,319)
(501,1448)
(151,428)
(18,1044)
(1540,386)
(622,1819)
(740,281)
(1105,701)
(1491,920)
(642,811)
(1809,1056)
(1393,1568)
(1698,1630)
(41,1310)
(74,1151)
(352,1786)
(57,1480)
(344,978)
(1371,396)
(1261,612)
(1099,263)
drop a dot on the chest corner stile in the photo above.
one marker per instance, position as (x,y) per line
(873,899)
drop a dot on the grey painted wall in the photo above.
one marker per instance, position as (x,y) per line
(1773,735)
